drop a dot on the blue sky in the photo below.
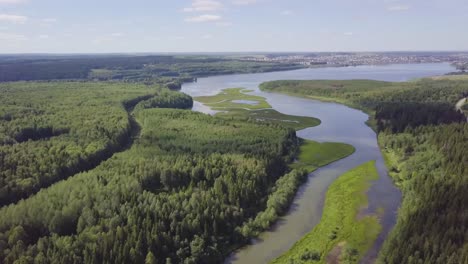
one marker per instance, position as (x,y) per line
(83,26)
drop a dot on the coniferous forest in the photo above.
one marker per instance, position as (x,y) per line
(187,190)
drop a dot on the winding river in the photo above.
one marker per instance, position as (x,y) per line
(339,124)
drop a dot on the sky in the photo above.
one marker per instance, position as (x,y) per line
(109,26)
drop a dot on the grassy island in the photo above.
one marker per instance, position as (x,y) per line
(314,154)
(236,103)
(343,234)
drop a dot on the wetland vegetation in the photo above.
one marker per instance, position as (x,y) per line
(314,154)
(231,104)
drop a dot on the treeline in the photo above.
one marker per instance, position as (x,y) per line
(277,204)
(431,168)
(369,94)
(80,67)
(181,194)
(343,89)
(399,116)
(127,67)
(167,99)
(426,140)
(423,91)
(49,131)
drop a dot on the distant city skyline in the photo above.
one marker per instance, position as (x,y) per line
(200,26)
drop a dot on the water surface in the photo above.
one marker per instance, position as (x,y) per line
(249,102)
(339,124)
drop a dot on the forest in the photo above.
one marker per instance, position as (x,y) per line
(425,142)
(190,188)
(429,163)
(49,131)
(128,68)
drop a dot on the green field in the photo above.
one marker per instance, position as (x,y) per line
(225,102)
(342,234)
(314,154)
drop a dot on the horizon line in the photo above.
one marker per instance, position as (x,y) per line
(223,52)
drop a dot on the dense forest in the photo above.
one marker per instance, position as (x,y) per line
(425,140)
(397,117)
(130,68)
(49,131)
(430,165)
(189,189)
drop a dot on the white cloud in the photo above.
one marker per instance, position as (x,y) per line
(16,19)
(207,36)
(12,37)
(398,8)
(49,20)
(43,36)
(204,6)
(348,33)
(12,1)
(176,37)
(108,37)
(244,2)
(203,18)
(267,35)
(117,34)
(224,24)
(287,12)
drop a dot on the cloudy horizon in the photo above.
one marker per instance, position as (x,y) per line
(195,26)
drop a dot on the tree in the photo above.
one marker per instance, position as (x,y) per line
(150,259)
(17,234)
(462,67)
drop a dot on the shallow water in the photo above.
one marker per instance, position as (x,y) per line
(339,124)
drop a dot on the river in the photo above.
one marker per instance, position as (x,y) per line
(339,124)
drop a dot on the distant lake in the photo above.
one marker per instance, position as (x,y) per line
(393,73)
(339,124)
